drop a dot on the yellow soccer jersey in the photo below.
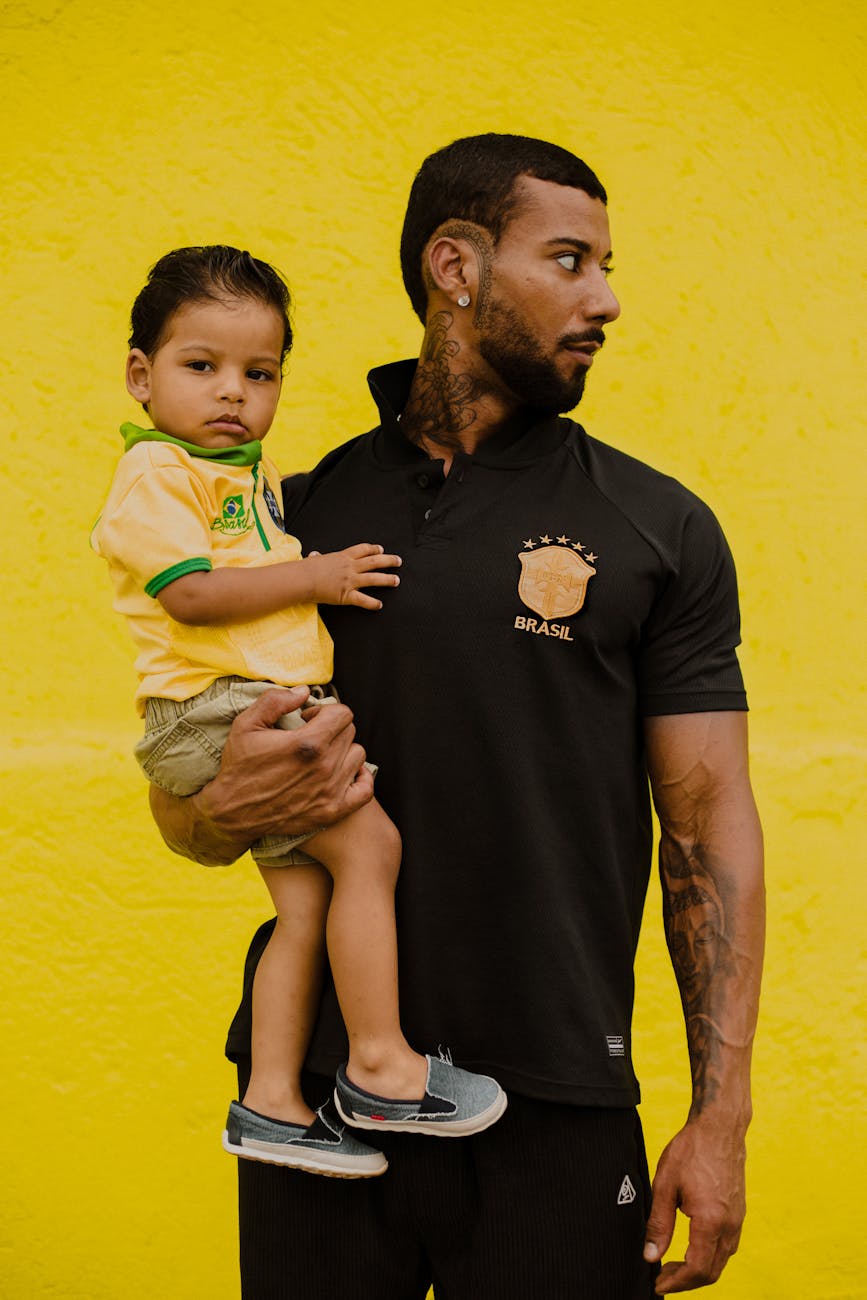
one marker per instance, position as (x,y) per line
(174,509)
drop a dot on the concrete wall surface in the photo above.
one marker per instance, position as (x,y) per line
(731,140)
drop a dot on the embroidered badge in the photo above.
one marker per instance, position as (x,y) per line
(233,517)
(273,506)
(554,576)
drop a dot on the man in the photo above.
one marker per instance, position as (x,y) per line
(566,625)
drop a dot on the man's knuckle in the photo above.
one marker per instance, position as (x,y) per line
(308,750)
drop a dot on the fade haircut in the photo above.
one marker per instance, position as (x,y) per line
(474,179)
(205,273)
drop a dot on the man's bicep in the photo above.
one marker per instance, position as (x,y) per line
(698,764)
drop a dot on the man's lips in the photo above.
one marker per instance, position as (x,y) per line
(583,352)
(583,347)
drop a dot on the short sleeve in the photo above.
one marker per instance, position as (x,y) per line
(156,526)
(688,655)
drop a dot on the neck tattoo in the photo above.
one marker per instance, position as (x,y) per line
(441,402)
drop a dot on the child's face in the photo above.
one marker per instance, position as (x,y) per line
(215,379)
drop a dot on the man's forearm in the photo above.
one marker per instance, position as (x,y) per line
(710,859)
(187,829)
(713,909)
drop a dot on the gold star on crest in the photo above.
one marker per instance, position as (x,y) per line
(530,544)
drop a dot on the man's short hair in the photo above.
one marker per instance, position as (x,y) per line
(204,273)
(474,179)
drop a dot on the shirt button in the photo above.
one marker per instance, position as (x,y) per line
(423,480)
(427,514)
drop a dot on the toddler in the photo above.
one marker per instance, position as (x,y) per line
(222,607)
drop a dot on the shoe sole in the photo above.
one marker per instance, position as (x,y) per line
(294,1158)
(433,1128)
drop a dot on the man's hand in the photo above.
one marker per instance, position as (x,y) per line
(701,1173)
(340,575)
(270,782)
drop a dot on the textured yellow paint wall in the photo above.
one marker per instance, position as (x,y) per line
(731,140)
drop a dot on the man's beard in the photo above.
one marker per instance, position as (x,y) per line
(514,353)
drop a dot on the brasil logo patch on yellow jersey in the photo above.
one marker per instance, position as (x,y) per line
(234,517)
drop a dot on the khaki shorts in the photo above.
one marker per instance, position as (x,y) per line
(183,744)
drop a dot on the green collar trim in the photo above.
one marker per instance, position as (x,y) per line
(248,453)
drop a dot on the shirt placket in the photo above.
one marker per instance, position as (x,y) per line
(433,496)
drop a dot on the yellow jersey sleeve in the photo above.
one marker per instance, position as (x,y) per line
(157,520)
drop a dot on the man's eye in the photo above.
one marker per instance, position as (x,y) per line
(199,365)
(260,376)
(607,270)
(569,261)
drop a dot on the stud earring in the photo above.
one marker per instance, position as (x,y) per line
(464,300)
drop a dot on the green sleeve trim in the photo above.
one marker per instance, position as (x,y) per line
(246,453)
(198,565)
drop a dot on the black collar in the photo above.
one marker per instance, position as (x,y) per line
(389,387)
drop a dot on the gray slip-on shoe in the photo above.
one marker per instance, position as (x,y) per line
(455,1103)
(323,1148)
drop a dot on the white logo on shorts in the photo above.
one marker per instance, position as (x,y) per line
(627,1193)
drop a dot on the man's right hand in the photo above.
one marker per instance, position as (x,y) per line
(270,782)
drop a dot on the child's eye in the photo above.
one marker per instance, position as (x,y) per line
(199,365)
(260,376)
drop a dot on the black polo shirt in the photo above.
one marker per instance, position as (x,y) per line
(554,592)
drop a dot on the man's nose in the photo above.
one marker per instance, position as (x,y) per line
(232,389)
(601,304)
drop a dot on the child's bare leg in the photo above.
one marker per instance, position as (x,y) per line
(286,991)
(362,854)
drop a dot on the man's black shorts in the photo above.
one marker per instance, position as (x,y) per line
(548,1204)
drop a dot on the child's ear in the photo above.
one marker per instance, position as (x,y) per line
(138,376)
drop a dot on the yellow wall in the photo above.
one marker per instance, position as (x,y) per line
(731,140)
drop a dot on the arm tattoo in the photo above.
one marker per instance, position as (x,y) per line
(440,404)
(695,929)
